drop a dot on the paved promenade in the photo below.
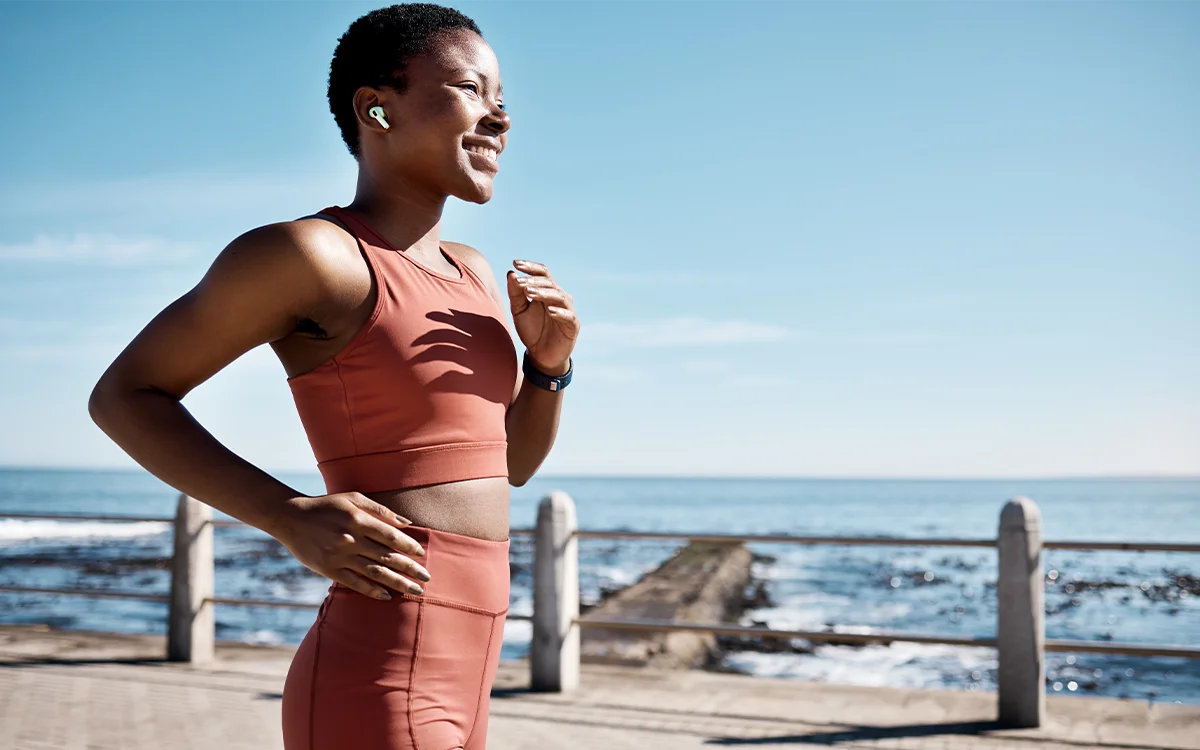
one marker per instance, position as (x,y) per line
(89,691)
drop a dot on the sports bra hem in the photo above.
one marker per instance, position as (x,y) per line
(416,467)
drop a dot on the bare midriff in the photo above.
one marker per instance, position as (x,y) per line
(475,507)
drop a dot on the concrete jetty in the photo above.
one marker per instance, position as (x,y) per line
(702,582)
(101,691)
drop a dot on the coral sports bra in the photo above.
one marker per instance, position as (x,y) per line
(418,395)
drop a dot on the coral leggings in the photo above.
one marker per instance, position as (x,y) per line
(413,673)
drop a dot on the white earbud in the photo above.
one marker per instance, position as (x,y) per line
(377,113)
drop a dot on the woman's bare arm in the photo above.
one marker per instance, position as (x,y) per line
(254,293)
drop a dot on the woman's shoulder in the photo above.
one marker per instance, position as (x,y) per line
(310,245)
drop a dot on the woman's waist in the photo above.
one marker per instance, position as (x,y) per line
(477,508)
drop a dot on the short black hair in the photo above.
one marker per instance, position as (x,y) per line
(374,51)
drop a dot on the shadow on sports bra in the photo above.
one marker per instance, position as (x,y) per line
(480,345)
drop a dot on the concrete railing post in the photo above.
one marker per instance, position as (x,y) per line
(554,654)
(1020,633)
(190,623)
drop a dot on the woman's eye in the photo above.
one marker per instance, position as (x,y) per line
(501,106)
(474,89)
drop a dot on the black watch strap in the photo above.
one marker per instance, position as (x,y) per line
(541,379)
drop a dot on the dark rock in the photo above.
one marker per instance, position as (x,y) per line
(761,645)
(757,596)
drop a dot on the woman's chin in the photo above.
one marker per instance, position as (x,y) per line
(478,190)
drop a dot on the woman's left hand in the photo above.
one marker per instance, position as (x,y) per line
(544,316)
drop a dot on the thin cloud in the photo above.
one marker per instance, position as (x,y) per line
(897,338)
(706,366)
(657,278)
(175,195)
(950,300)
(760,380)
(103,249)
(685,332)
(614,374)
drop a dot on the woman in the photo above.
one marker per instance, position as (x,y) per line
(406,378)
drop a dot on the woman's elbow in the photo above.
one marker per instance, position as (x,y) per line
(518,480)
(99,402)
(520,472)
(106,400)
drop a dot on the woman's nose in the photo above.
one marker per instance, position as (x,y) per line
(499,122)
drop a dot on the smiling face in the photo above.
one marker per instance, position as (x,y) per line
(447,127)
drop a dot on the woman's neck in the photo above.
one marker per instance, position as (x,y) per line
(408,218)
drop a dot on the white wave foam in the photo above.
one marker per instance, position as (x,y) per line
(518,631)
(263,638)
(12,529)
(521,605)
(804,611)
(620,576)
(898,665)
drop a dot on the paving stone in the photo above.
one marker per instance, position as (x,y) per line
(103,692)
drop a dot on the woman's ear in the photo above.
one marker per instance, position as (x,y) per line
(369,110)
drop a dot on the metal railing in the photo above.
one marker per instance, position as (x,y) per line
(817,636)
(555,653)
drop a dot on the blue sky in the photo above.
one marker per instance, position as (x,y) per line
(807,239)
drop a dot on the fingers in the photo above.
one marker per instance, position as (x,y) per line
(382,524)
(388,577)
(529,282)
(516,293)
(532,268)
(390,537)
(569,323)
(375,559)
(543,289)
(374,552)
(549,296)
(381,512)
(350,579)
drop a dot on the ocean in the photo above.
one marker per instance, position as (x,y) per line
(1138,597)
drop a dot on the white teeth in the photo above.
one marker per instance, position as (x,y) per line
(489,153)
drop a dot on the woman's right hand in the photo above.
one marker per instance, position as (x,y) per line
(355,541)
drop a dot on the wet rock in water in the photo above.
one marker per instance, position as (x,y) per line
(757,597)
(86,562)
(286,576)
(957,563)
(1177,586)
(1079,585)
(1184,582)
(253,551)
(764,645)
(925,578)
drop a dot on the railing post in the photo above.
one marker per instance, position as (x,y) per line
(190,623)
(554,654)
(1020,632)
